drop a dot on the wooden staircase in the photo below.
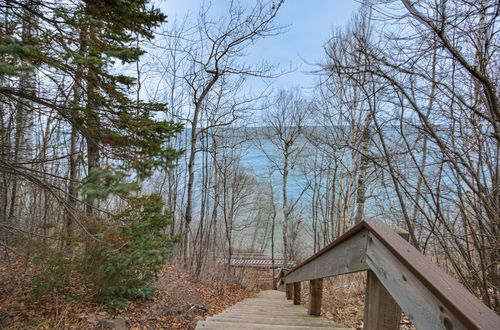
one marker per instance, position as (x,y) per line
(399,278)
(268,310)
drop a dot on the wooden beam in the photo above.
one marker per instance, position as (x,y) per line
(296,293)
(347,257)
(289,291)
(421,306)
(448,296)
(401,232)
(315,296)
(381,311)
(429,297)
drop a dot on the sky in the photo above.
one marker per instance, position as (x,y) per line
(310,25)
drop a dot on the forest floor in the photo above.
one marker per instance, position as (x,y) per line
(179,302)
(344,300)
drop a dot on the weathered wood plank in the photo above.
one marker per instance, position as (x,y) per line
(215,325)
(296,293)
(432,298)
(315,296)
(381,311)
(347,257)
(289,291)
(419,304)
(454,298)
(268,310)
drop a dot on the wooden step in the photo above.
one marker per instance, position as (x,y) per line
(214,325)
(268,310)
(273,321)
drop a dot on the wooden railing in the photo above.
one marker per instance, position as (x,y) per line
(398,277)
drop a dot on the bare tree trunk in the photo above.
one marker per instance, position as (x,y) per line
(273,227)
(72,192)
(72,196)
(92,139)
(285,210)
(24,118)
(5,147)
(189,201)
(393,173)
(363,167)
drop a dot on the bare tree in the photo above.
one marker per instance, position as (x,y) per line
(286,120)
(214,61)
(437,137)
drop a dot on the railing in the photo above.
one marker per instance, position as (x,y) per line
(399,277)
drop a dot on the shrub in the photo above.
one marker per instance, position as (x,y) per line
(131,251)
(124,252)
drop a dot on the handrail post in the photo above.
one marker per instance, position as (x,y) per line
(381,310)
(316,294)
(296,293)
(289,291)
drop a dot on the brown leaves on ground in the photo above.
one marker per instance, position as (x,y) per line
(343,299)
(179,302)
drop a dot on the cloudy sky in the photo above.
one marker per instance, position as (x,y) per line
(310,24)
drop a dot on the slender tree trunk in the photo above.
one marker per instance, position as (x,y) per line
(273,226)
(5,147)
(71,199)
(188,217)
(24,118)
(363,168)
(189,197)
(92,139)
(286,213)
(399,194)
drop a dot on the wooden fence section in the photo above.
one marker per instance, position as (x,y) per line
(399,277)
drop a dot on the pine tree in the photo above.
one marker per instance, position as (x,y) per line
(87,45)
(106,32)
(132,247)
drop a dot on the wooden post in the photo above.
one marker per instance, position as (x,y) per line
(289,291)
(296,293)
(381,311)
(316,294)
(401,232)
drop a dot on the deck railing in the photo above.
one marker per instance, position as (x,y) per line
(398,277)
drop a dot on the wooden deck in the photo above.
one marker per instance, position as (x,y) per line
(268,310)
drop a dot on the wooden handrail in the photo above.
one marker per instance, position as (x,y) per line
(429,297)
(281,275)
